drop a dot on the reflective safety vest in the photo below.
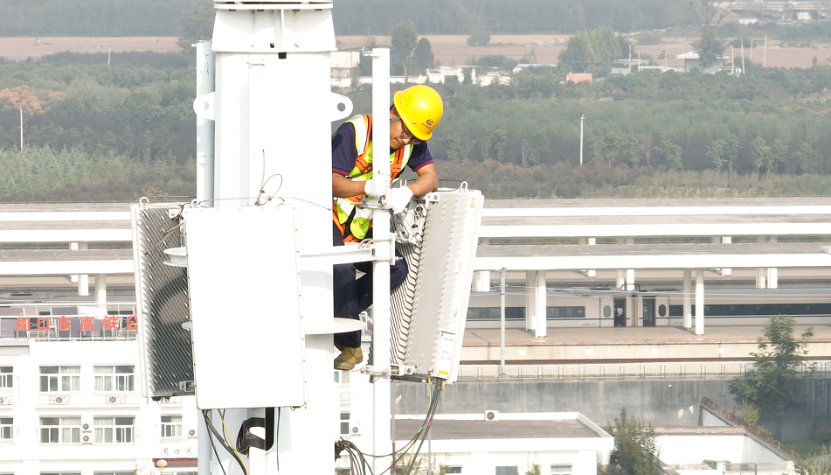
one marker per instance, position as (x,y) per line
(345,208)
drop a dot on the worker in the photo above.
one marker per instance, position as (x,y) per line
(414,115)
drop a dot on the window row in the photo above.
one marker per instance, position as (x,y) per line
(765,310)
(104,430)
(518,313)
(68,378)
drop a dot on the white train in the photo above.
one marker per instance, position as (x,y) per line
(594,307)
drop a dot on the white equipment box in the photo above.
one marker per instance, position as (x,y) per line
(244,286)
(438,239)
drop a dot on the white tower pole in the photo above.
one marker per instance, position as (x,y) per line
(205,86)
(384,253)
(582,119)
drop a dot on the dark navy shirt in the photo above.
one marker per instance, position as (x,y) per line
(344,153)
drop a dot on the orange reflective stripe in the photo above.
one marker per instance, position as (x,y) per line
(341,227)
(397,164)
(361,162)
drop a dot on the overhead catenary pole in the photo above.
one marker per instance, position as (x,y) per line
(109,52)
(502,321)
(381,431)
(582,118)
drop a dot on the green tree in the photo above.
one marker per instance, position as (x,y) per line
(423,54)
(762,156)
(612,142)
(636,451)
(404,39)
(197,24)
(672,154)
(808,160)
(597,150)
(710,49)
(605,44)
(716,153)
(775,384)
(127,141)
(499,141)
(778,153)
(635,148)
(579,52)
(731,151)
(534,469)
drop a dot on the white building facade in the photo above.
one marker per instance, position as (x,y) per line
(75,407)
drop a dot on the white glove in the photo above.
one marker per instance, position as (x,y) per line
(398,199)
(369,188)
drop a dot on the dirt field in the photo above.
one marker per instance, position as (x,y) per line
(453,50)
(449,49)
(18,49)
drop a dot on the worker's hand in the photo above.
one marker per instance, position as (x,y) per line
(398,199)
(369,188)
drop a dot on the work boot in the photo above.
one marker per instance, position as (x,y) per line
(339,346)
(348,358)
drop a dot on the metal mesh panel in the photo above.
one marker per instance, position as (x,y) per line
(434,296)
(163,304)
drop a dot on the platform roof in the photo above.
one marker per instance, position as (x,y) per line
(667,256)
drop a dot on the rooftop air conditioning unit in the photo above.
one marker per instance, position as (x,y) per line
(354,429)
(437,237)
(86,439)
(491,416)
(5,400)
(85,427)
(192,434)
(59,400)
(116,399)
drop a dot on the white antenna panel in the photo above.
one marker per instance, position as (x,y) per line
(430,308)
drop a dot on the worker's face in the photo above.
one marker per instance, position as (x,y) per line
(399,135)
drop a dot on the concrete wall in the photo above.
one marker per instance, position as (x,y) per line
(664,403)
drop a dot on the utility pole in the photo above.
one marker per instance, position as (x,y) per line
(666,65)
(765,57)
(21,129)
(582,118)
(630,58)
(751,48)
(744,71)
(384,258)
(639,61)
(732,62)
(109,52)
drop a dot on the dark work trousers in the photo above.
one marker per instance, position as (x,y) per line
(351,296)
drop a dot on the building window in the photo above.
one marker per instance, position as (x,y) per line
(344,423)
(6,428)
(507,471)
(60,379)
(115,378)
(451,468)
(561,470)
(171,427)
(60,430)
(6,377)
(114,430)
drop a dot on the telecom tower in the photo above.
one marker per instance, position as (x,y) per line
(241,314)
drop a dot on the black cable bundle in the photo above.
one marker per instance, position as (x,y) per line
(224,443)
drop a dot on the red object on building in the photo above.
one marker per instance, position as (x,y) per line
(64,324)
(22,324)
(132,322)
(578,78)
(111,323)
(86,324)
(43,323)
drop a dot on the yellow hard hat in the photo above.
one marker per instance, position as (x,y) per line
(420,107)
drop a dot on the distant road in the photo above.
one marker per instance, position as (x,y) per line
(20,48)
